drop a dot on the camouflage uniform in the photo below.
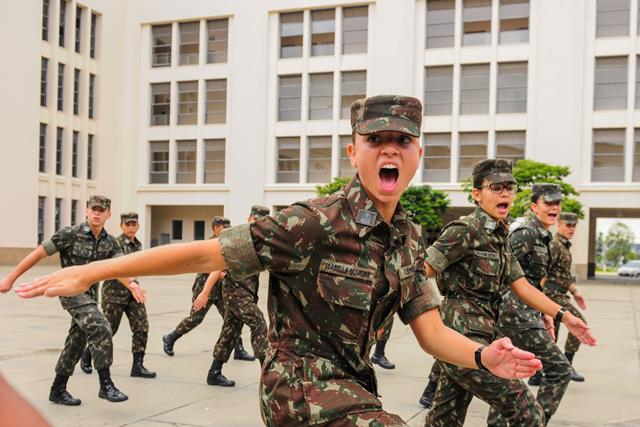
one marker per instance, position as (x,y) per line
(523,324)
(196,317)
(474,264)
(338,273)
(78,246)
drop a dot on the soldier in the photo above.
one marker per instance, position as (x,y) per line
(117,300)
(522,323)
(474,264)
(206,299)
(560,282)
(341,267)
(429,393)
(78,245)
(240,307)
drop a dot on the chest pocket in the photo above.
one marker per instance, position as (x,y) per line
(105,249)
(485,268)
(82,251)
(539,262)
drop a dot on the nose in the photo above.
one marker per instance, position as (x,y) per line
(390,147)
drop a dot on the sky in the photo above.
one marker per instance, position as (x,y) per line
(604,224)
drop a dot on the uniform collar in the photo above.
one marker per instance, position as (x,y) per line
(127,240)
(563,240)
(86,229)
(489,223)
(534,222)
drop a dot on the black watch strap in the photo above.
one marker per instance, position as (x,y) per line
(478,356)
(560,314)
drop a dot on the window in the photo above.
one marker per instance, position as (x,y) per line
(78,29)
(159,162)
(438,90)
(474,89)
(473,148)
(92,41)
(512,87)
(160,104)
(76,91)
(437,157)
(90,156)
(42,149)
(214,160)
(510,145)
(58,214)
(189,43)
(514,21)
(320,96)
(74,211)
(176,229)
(187,103)
(41,210)
(322,32)
(289,97)
(291,35)
(59,142)
(198,230)
(608,155)
(60,87)
(610,92)
(61,23)
(45,20)
(476,22)
(44,69)
(217,40)
(186,167)
(354,86)
(636,156)
(288,160)
(161,51)
(319,156)
(216,108)
(612,18)
(346,169)
(354,29)
(92,92)
(440,23)
(74,154)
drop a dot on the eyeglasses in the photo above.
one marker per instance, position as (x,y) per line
(498,188)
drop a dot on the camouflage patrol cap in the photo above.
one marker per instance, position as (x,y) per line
(494,170)
(259,212)
(547,192)
(220,220)
(99,201)
(387,113)
(568,217)
(128,217)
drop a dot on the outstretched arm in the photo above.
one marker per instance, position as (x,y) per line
(25,265)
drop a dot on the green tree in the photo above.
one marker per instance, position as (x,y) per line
(600,248)
(330,188)
(619,244)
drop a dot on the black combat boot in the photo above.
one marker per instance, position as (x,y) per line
(575,376)
(108,390)
(215,377)
(379,358)
(428,394)
(168,341)
(138,369)
(59,393)
(536,379)
(85,361)
(241,354)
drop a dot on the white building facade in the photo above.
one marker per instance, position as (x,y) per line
(198,109)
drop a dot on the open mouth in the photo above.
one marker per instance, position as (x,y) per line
(389,177)
(502,207)
(553,216)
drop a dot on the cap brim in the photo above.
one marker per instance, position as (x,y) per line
(556,197)
(388,124)
(97,205)
(500,178)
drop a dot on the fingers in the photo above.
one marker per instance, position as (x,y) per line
(35,288)
(522,355)
(503,344)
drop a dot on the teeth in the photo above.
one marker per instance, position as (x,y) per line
(389,167)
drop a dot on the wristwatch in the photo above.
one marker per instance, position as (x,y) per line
(559,314)
(478,356)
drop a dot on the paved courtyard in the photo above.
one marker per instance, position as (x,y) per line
(34,331)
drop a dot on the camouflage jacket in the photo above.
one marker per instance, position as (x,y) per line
(112,290)
(78,246)
(338,273)
(559,278)
(531,245)
(250,284)
(474,263)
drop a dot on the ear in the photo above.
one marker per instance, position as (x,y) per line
(475,193)
(351,152)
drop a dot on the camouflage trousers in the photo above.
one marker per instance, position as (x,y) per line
(436,371)
(87,324)
(556,369)
(196,317)
(573,344)
(240,308)
(137,315)
(386,330)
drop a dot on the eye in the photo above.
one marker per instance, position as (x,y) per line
(374,138)
(404,139)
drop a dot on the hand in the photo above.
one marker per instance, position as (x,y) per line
(138,292)
(504,360)
(549,325)
(580,301)
(578,329)
(66,282)
(5,285)
(201,301)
